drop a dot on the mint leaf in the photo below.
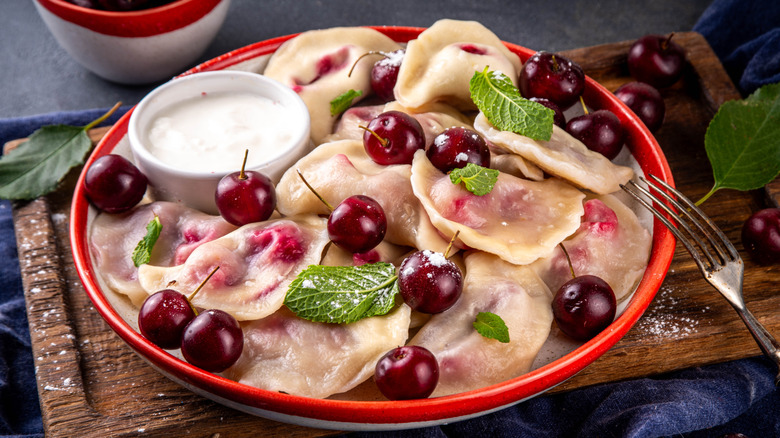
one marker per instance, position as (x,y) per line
(143,251)
(743,141)
(477,179)
(343,294)
(498,98)
(491,326)
(344,101)
(36,166)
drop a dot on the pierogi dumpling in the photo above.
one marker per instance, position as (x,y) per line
(563,156)
(519,220)
(316,65)
(113,237)
(256,264)
(439,64)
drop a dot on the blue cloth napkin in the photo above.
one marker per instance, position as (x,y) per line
(710,401)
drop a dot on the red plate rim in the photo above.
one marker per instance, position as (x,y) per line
(642,145)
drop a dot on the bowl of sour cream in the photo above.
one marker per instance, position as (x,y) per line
(190,132)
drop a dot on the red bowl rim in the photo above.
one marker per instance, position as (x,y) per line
(134,24)
(641,143)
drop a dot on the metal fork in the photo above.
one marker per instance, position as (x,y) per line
(724,270)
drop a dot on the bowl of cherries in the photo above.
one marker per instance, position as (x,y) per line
(134,42)
(346,197)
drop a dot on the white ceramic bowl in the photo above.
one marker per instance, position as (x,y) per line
(195,188)
(135,47)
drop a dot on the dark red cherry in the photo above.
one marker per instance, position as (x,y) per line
(645,101)
(384,74)
(393,137)
(245,197)
(584,306)
(113,184)
(406,373)
(163,316)
(429,282)
(656,60)
(761,236)
(558,117)
(456,147)
(601,131)
(357,224)
(212,341)
(551,76)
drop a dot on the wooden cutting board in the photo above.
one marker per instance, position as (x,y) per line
(91,384)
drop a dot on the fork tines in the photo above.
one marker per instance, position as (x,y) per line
(683,212)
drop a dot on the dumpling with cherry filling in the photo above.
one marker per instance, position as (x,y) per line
(113,237)
(341,169)
(468,360)
(610,243)
(563,156)
(315,64)
(519,220)
(256,264)
(285,353)
(439,64)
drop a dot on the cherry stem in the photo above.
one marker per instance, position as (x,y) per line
(200,286)
(568,260)
(556,67)
(584,107)
(452,241)
(372,52)
(665,43)
(241,174)
(330,207)
(382,141)
(102,118)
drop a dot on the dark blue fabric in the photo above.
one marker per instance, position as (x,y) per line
(745,34)
(710,401)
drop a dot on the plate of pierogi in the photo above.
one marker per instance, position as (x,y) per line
(555,206)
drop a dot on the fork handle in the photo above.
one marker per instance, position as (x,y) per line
(766,341)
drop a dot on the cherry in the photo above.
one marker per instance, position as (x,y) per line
(761,236)
(600,131)
(357,224)
(245,197)
(393,137)
(558,117)
(113,184)
(384,74)
(656,60)
(429,282)
(584,306)
(645,101)
(406,373)
(212,341)
(553,77)
(163,316)
(456,147)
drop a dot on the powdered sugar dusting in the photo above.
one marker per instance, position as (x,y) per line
(664,319)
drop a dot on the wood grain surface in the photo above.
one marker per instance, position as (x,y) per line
(91,384)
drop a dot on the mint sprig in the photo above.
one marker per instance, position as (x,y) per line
(477,179)
(498,98)
(143,251)
(36,166)
(343,101)
(343,294)
(491,326)
(743,141)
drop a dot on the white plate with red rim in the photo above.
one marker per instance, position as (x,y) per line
(381,415)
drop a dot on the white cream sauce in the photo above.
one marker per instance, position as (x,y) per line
(210,133)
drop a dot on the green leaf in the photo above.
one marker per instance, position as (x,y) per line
(491,326)
(36,166)
(343,294)
(743,141)
(477,179)
(497,97)
(143,251)
(344,101)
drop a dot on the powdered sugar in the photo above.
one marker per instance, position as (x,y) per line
(664,319)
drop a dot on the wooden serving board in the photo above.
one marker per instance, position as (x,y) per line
(91,384)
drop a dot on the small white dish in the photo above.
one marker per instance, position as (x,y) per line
(172,178)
